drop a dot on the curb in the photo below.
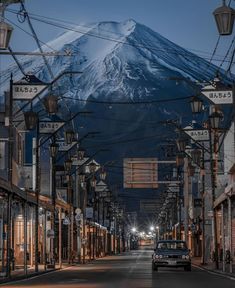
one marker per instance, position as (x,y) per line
(217,272)
(29,276)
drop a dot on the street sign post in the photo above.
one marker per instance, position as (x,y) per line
(49,127)
(26,91)
(65,147)
(197,134)
(221,96)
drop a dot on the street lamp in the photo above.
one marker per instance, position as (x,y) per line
(81,153)
(68,165)
(54,147)
(181,144)
(180,159)
(93,182)
(215,118)
(196,104)
(133,230)
(51,104)
(5,34)
(69,136)
(31,119)
(92,167)
(196,156)
(102,174)
(224,17)
(82,177)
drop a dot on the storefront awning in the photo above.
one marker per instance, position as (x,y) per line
(24,195)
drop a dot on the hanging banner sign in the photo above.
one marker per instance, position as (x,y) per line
(218,96)
(26,91)
(65,147)
(198,135)
(49,127)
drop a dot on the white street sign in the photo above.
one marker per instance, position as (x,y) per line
(89,212)
(218,96)
(26,91)
(77,217)
(65,147)
(197,135)
(100,186)
(66,221)
(49,127)
(77,162)
(78,211)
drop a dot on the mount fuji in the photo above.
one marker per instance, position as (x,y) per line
(126,70)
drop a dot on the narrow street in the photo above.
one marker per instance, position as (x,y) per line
(129,270)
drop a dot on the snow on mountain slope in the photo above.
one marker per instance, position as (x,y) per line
(126,58)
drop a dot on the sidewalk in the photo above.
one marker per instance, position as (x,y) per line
(196,261)
(19,274)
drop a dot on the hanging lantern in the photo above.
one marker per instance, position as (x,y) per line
(191,170)
(181,144)
(196,156)
(179,159)
(82,177)
(31,120)
(102,174)
(51,104)
(215,119)
(92,167)
(5,34)
(93,182)
(54,147)
(69,136)
(196,104)
(81,154)
(68,164)
(224,18)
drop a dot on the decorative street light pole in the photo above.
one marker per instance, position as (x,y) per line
(53,153)
(214,123)
(31,123)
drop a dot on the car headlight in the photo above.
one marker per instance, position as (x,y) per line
(186,257)
(159,256)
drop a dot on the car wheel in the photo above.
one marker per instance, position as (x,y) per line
(154,267)
(187,268)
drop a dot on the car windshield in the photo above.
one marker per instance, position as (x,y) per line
(171,245)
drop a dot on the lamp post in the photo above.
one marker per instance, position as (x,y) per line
(93,184)
(224,17)
(53,153)
(214,124)
(198,157)
(31,123)
(68,168)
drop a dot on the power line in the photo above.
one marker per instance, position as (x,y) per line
(90,27)
(26,15)
(128,102)
(166,50)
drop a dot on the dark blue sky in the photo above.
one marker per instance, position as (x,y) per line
(189,23)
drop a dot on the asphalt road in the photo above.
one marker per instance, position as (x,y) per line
(131,270)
